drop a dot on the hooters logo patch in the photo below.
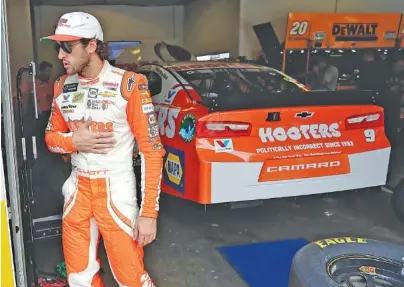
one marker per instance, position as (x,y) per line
(94,126)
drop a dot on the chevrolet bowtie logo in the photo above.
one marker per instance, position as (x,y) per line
(304,115)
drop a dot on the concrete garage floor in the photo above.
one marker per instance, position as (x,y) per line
(185,251)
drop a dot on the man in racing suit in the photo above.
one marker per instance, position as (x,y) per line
(97,112)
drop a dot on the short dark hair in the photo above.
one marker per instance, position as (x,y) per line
(43,65)
(101,47)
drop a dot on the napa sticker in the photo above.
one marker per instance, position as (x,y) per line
(174,169)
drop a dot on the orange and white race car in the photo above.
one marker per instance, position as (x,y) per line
(240,131)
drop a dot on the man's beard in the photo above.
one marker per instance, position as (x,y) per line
(82,64)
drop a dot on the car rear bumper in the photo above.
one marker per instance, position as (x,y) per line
(239,181)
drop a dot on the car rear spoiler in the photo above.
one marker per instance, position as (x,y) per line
(295,99)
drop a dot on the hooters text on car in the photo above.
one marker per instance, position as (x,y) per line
(313,131)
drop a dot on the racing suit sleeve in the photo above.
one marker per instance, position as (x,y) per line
(142,121)
(58,137)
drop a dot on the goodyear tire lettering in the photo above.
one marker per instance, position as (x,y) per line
(339,240)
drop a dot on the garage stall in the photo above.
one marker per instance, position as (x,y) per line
(260,174)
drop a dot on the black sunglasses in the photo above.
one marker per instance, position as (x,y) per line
(66,46)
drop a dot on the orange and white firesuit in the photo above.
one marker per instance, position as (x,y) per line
(100,194)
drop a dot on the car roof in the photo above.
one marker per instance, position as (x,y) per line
(193,65)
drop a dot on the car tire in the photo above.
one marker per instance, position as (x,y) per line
(309,266)
(397,201)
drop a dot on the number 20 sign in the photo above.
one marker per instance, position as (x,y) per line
(299,28)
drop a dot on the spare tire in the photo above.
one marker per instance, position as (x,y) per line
(397,201)
(346,261)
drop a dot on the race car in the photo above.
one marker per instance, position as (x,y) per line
(238,131)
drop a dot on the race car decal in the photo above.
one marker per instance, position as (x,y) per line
(224,145)
(219,147)
(308,167)
(313,131)
(188,127)
(160,72)
(166,120)
(172,93)
(174,168)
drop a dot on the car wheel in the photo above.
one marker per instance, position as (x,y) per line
(348,262)
(397,201)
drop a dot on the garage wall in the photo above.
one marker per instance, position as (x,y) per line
(212,26)
(19,36)
(370,6)
(276,12)
(119,22)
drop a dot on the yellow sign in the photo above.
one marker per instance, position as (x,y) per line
(78,97)
(173,168)
(340,240)
(107,94)
(7,267)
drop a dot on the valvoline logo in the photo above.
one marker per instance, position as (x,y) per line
(224,145)
(174,91)
(171,93)
(66,98)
